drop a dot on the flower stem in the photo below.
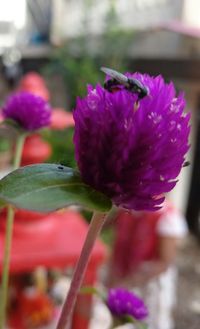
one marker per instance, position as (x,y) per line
(8,239)
(95,227)
(18,151)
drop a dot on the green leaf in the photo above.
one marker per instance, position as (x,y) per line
(48,187)
(90,290)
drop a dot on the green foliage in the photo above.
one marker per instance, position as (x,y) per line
(79,60)
(76,72)
(48,187)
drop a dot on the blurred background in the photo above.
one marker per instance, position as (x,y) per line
(67,41)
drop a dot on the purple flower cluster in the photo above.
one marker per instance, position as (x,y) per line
(30,112)
(122,303)
(132,150)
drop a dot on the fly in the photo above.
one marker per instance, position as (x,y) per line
(186,164)
(131,84)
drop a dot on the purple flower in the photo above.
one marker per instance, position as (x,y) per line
(31,112)
(122,302)
(132,150)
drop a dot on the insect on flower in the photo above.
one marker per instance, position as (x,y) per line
(134,156)
(131,84)
(186,164)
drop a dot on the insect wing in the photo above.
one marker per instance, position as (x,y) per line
(121,78)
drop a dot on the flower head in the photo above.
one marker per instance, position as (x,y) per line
(128,149)
(31,112)
(122,302)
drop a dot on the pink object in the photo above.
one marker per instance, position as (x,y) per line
(61,119)
(39,91)
(35,150)
(182,28)
(32,79)
(34,83)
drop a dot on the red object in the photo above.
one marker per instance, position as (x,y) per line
(60,119)
(136,239)
(34,83)
(53,240)
(35,150)
(33,310)
(37,308)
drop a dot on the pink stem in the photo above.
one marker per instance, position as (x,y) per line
(95,227)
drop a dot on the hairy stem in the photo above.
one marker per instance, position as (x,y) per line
(95,226)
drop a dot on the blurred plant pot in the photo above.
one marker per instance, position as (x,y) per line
(61,119)
(35,150)
(34,83)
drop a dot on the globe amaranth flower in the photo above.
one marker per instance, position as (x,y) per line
(122,302)
(132,150)
(30,112)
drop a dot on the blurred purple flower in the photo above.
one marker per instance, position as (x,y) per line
(122,302)
(132,151)
(31,112)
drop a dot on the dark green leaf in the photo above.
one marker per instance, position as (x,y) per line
(48,187)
